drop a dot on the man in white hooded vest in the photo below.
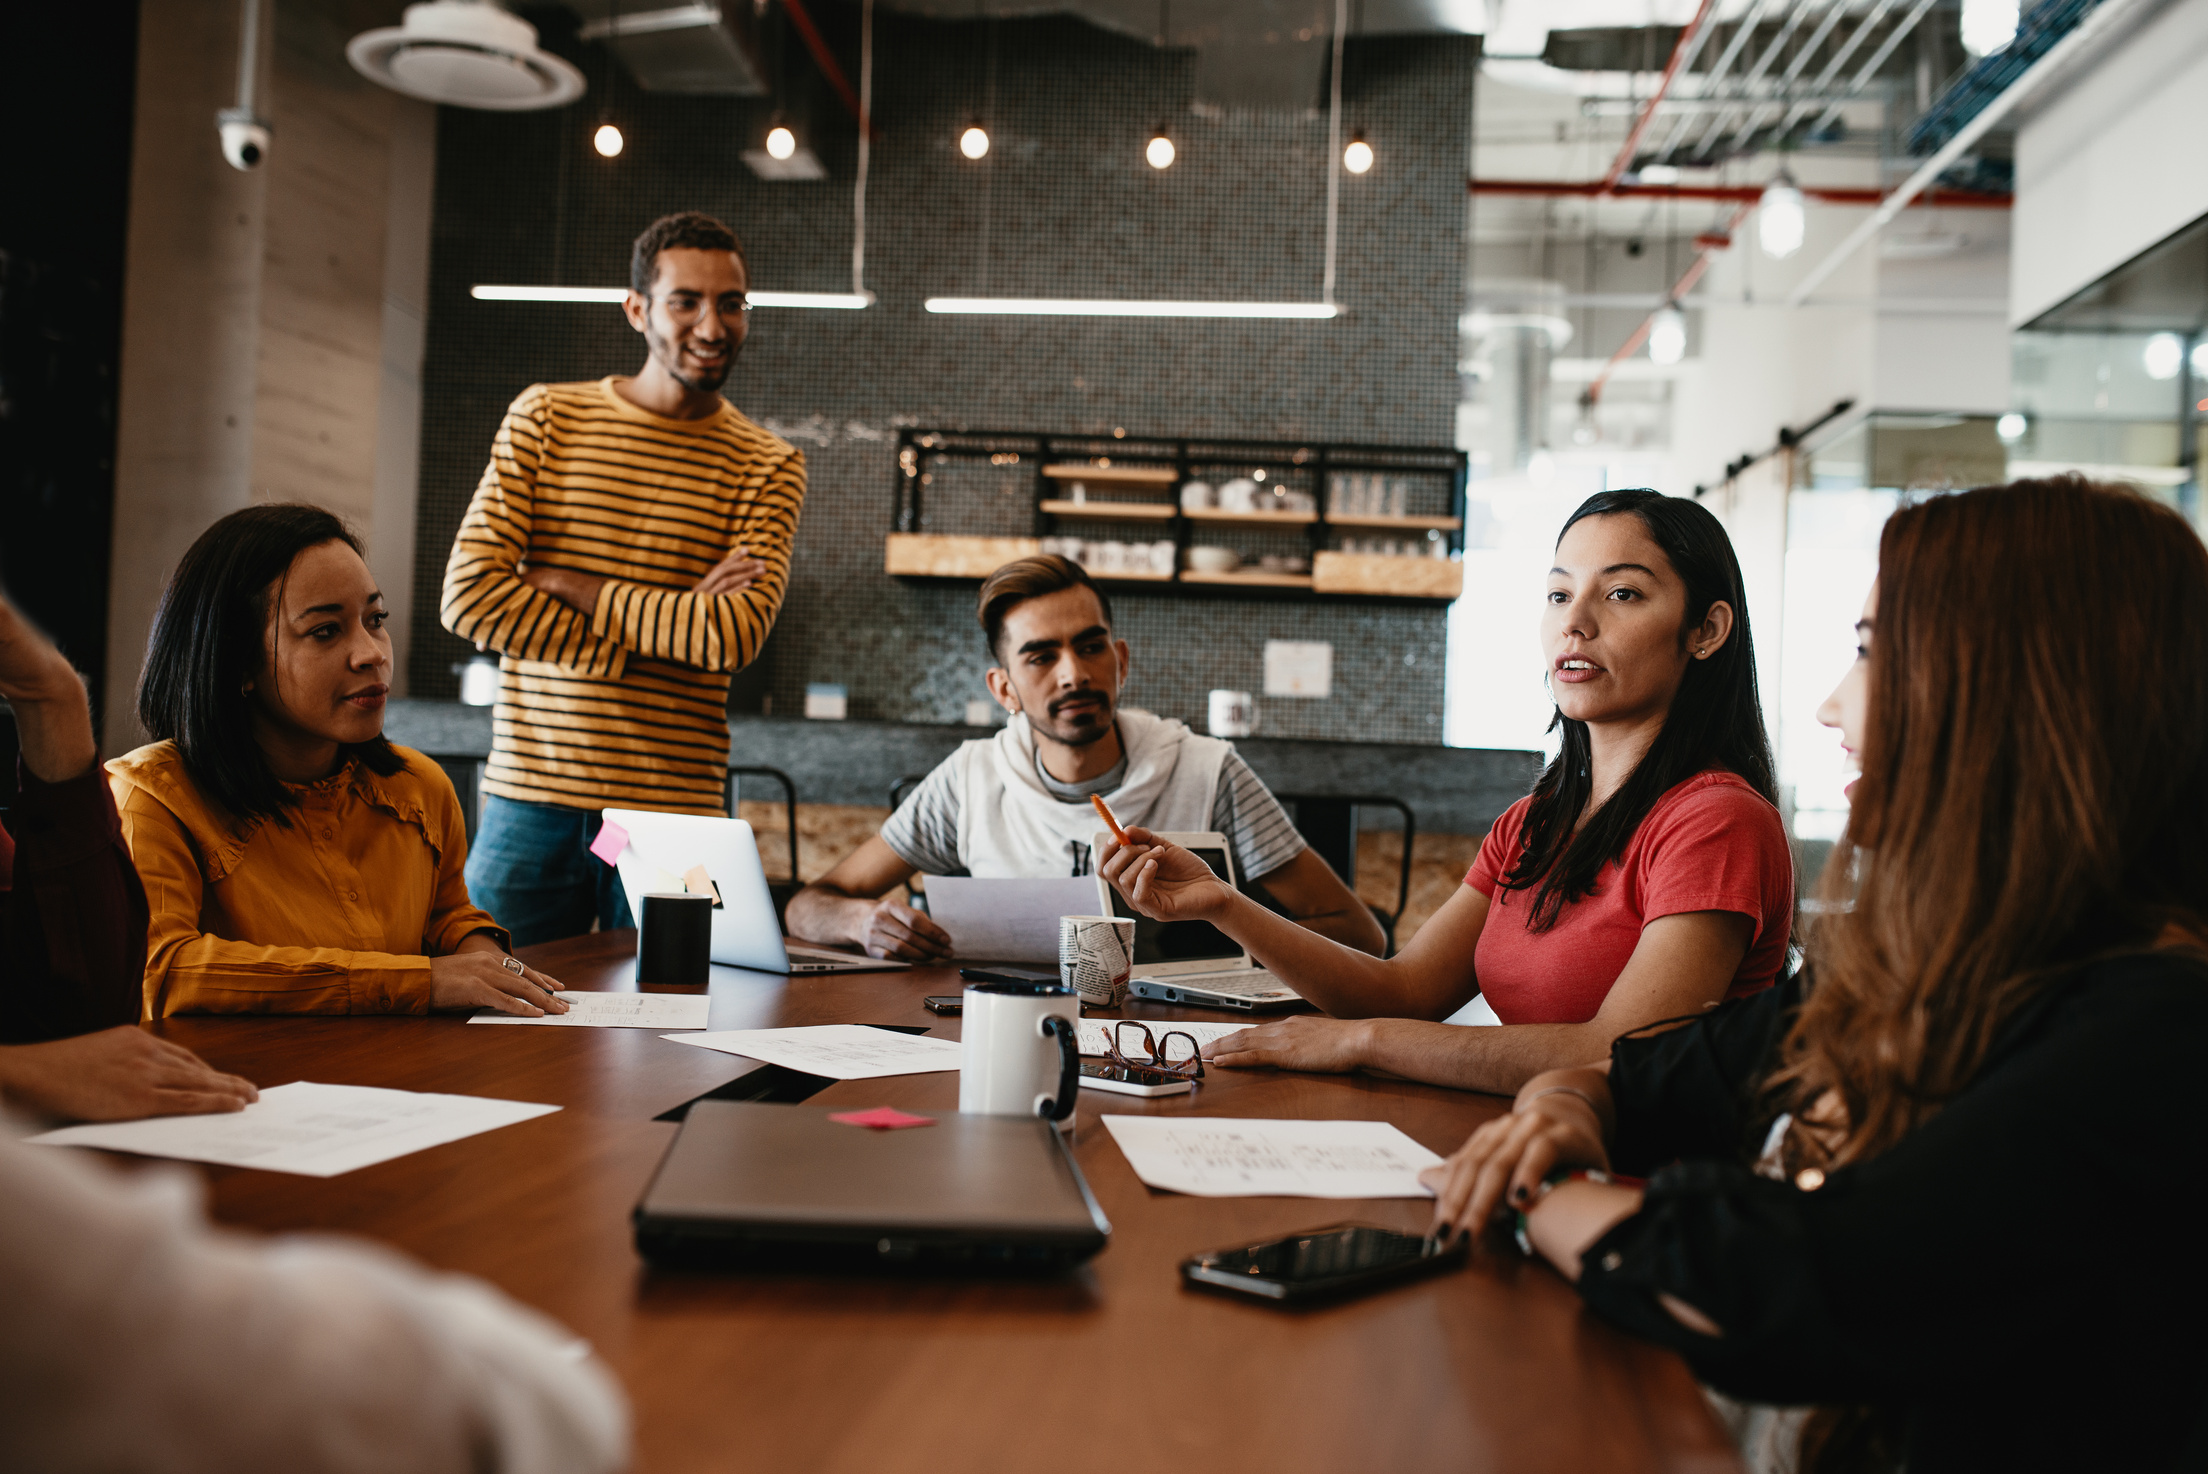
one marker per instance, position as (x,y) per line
(1017,804)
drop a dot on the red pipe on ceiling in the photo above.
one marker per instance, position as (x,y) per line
(1624,159)
(826,61)
(1707,245)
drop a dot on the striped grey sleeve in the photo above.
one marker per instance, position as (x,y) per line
(1256,826)
(923,831)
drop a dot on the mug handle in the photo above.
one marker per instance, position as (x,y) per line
(1069,1077)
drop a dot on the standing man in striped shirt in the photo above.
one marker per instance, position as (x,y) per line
(627,550)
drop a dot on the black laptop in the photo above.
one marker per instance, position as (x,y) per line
(752,1184)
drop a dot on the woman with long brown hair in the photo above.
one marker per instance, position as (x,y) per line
(1947,1190)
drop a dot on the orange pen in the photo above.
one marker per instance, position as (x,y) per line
(1117,832)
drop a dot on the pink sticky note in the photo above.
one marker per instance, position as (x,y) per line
(611,841)
(882,1118)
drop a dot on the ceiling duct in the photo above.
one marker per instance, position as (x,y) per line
(695,50)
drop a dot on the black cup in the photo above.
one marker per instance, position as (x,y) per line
(676,947)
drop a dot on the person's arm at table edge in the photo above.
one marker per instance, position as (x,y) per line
(851,905)
(1683,964)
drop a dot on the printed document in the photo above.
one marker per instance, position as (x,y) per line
(1094,1031)
(1225,1157)
(307,1129)
(618,1011)
(1007,920)
(839,1051)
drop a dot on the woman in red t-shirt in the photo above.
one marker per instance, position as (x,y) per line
(1647,876)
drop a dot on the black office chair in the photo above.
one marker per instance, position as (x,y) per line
(917,899)
(1328,822)
(465,769)
(781,890)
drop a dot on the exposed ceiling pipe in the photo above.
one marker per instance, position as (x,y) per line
(1688,43)
(1795,111)
(826,61)
(1794,18)
(1741,34)
(1870,68)
(1334,152)
(1706,246)
(1793,72)
(2058,56)
(1723,193)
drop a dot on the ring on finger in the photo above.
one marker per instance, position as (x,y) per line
(511,964)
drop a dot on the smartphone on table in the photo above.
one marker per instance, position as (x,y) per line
(1103,1074)
(1345,1259)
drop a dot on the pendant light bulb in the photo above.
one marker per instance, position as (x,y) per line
(1782,218)
(781,142)
(1667,335)
(974,142)
(607,140)
(1159,152)
(1357,158)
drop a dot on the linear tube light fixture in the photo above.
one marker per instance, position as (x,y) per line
(1105,307)
(846,300)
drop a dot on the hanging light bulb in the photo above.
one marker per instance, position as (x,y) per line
(1357,158)
(2011,427)
(2163,356)
(781,142)
(1159,151)
(607,140)
(1667,335)
(974,142)
(1782,218)
(1988,25)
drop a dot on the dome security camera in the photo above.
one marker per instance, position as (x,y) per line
(244,138)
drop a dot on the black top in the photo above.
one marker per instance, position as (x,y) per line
(72,913)
(2019,1284)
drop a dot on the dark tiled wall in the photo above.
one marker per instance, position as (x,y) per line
(1063,206)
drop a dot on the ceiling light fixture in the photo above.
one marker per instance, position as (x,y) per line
(1782,218)
(1159,151)
(1988,25)
(486,293)
(468,55)
(1103,307)
(1357,158)
(974,142)
(781,142)
(2163,356)
(2011,427)
(607,140)
(1667,335)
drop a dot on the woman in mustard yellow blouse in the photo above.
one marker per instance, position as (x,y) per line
(294,860)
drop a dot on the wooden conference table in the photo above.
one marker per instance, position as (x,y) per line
(1113,1369)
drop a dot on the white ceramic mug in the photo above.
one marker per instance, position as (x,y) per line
(1233,714)
(1020,1050)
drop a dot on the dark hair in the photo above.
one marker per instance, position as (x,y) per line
(684,230)
(1023,579)
(210,636)
(1716,720)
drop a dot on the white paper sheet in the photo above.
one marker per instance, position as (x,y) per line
(1007,920)
(1225,1157)
(308,1129)
(839,1051)
(619,1011)
(1093,1032)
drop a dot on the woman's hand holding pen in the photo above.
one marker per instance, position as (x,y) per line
(481,975)
(1163,881)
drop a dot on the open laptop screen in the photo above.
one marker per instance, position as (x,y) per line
(1181,941)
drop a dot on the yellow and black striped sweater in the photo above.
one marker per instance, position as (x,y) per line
(626,705)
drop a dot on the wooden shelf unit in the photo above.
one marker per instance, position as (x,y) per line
(1161,464)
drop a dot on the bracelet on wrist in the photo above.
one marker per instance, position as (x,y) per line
(1559,1090)
(1557,1177)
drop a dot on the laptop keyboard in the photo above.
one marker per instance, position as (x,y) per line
(1240,983)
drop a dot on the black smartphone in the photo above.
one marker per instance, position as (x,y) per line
(952,1003)
(1009,974)
(1342,1260)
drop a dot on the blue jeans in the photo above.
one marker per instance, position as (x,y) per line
(531,867)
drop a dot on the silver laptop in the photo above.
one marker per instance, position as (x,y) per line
(1194,961)
(664,847)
